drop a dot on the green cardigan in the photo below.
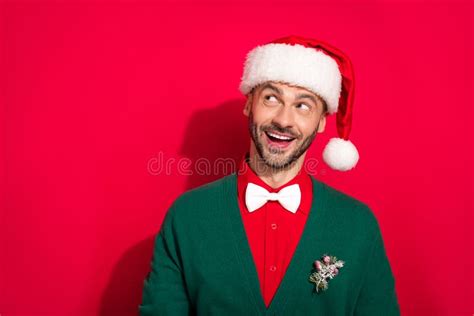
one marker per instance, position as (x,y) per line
(202,263)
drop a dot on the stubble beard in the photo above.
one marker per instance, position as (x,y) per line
(274,159)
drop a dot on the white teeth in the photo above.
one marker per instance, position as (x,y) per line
(279,136)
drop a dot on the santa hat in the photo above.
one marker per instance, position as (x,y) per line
(318,67)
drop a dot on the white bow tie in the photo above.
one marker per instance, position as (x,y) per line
(256,196)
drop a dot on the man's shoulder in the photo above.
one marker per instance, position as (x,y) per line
(201,197)
(343,206)
(212,189)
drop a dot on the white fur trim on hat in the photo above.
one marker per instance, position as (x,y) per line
(294,64)
(340,154)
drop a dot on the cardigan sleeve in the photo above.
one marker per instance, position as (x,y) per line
(164,291)
(377,295)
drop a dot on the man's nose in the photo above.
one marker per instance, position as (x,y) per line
(284,117)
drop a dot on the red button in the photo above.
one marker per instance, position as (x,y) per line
(273,268)
(274,226)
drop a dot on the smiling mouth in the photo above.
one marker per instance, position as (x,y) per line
(279,140)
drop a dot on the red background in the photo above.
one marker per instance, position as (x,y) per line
(94,92)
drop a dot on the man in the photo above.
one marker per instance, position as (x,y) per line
(270,239)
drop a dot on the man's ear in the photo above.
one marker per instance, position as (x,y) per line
(322,122)
(248,104)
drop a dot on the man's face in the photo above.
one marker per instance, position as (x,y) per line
(283,122)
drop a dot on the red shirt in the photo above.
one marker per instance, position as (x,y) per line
(272,231)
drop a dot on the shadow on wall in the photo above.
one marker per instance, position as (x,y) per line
(212,135)
(124,290)
(215,141)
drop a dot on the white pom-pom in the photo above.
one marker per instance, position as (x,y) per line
(340,154)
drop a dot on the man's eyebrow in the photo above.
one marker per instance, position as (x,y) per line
(272,87)
(268,85)
(309,96)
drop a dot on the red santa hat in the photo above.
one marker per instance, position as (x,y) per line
(318,67)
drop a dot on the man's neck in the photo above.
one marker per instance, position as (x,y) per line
(272,177)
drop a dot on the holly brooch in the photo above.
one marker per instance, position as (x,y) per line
(324,270)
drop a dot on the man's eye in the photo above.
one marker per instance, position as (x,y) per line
(304,106)
(271,98)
